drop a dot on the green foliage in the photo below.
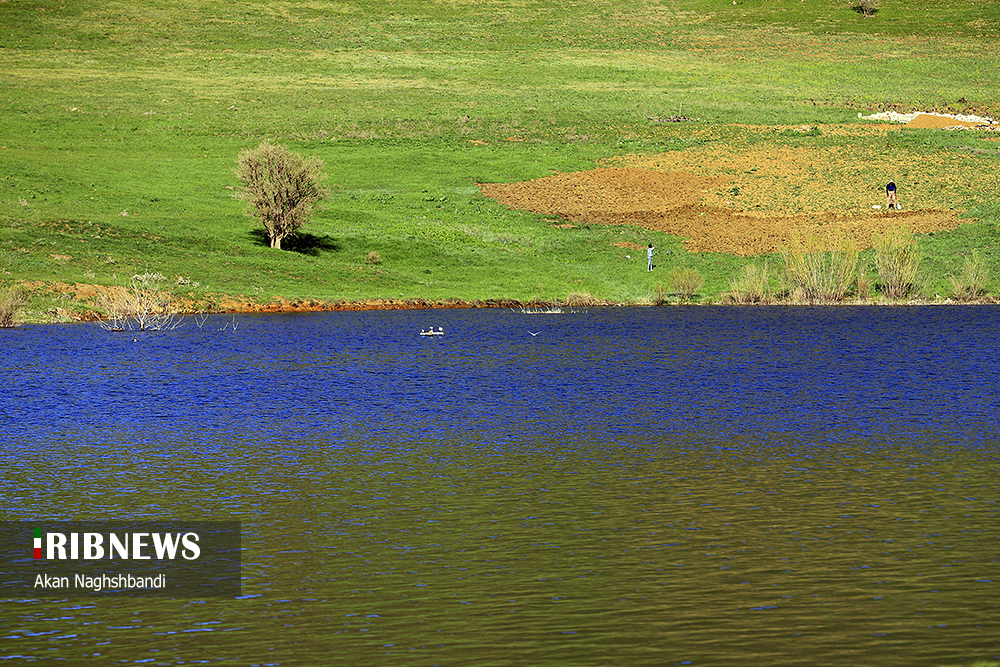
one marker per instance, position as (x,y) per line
(281,188)
(803,131)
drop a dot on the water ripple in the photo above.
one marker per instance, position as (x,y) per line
(657,486)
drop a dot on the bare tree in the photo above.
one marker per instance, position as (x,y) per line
(139,306)
(280,187)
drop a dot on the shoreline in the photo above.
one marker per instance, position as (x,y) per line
(218,304)
(316,306)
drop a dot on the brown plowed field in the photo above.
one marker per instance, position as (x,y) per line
(747,197)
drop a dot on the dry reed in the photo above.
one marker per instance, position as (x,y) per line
(814,274)
(974,280)
(12,301)
(685,282)
(897,258)
(751,285)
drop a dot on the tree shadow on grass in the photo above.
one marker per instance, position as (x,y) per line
(301,242)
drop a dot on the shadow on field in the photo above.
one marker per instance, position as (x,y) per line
(302,242)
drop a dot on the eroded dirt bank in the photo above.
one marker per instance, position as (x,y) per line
(87,296)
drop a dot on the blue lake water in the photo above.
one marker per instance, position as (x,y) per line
(657,486)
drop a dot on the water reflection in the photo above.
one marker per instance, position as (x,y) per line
(659,486)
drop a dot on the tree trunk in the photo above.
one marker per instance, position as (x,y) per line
(276,242)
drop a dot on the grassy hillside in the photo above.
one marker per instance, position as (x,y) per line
(120,123)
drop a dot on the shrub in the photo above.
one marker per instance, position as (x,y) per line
(685,282)
(813,274)
(751,285)
(867,7)
(864,285)
(584,300)
(660,294)
(11,303)
(973,281)
(281,188)
(897,258)
(373,258)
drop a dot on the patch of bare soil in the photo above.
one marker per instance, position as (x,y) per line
(281,305)
(77,291)
(674,203)
(932,121)
(751,197)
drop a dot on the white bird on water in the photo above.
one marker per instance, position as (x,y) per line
(534,333)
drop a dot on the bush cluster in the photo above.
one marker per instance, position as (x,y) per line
(12,301)
(685,282)
(813,274)
(752,285)
(897,258)
(868,7)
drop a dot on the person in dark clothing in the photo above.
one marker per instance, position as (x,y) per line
(890,195)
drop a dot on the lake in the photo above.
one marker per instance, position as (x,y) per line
(647,486)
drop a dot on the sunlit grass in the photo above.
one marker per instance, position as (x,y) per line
(120,125)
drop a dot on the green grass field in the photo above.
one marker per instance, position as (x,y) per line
(120,124)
